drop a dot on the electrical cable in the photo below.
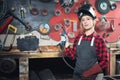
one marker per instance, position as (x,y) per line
(63,57)
(62,46)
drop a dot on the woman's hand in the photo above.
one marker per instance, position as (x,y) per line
(68,45)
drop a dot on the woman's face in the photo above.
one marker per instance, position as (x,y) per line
(87,22)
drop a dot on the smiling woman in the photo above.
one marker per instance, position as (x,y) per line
(94,44)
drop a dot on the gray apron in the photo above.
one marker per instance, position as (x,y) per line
(86,57)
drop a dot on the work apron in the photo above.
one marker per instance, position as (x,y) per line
(86,58)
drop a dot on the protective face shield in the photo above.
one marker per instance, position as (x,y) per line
(86,9)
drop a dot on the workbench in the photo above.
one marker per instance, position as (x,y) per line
(24,57)
(48,52)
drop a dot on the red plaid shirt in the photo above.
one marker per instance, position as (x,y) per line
(101,49)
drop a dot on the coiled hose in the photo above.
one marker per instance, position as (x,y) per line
(63,57)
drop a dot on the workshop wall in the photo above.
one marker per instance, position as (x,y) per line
(47,19)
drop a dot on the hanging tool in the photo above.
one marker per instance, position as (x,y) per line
(62,44)
(6,23)
(64,39)
(22,12)
(14,30)
(10,13)
(27,27)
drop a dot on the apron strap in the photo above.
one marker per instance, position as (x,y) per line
(80,40)
(92,41)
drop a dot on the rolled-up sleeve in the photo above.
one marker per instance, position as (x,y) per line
(71,52)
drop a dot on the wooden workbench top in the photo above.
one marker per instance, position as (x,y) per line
(41,52)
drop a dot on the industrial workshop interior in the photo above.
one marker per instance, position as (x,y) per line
(33,34)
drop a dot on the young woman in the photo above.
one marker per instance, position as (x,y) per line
(89,49)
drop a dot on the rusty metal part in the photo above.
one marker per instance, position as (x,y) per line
(44,12)
(34,11)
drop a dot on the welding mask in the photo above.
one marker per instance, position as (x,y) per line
(86,9)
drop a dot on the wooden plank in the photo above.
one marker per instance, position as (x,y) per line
(23,68)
